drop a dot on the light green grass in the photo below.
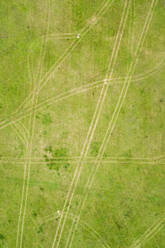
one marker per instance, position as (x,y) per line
(39,48)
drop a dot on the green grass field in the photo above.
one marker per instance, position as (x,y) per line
(82,131)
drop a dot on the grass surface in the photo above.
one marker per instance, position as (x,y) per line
(82,124)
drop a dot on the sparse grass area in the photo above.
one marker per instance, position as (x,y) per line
(82,140)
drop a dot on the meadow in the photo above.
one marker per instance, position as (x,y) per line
(82,131)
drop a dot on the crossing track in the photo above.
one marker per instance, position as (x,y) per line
(112,122)
(50,74)
(91,130)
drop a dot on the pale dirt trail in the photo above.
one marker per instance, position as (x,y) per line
(78,90)
(112,123)
(35,94)
(150,232)
(92,128)
(87,27)
(29,145)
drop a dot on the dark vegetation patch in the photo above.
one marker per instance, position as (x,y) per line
(56,159)
(45,118)
(2,241)
(40,229)
(94,148)
(1,236)
(34,214)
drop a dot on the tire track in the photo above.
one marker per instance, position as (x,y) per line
(27,165)
(150,232)
(83,224)
(73,45)
(29,148)
(131,29)
(92,127)
(19,134)
(87,160)
(112,123)
(78,90)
